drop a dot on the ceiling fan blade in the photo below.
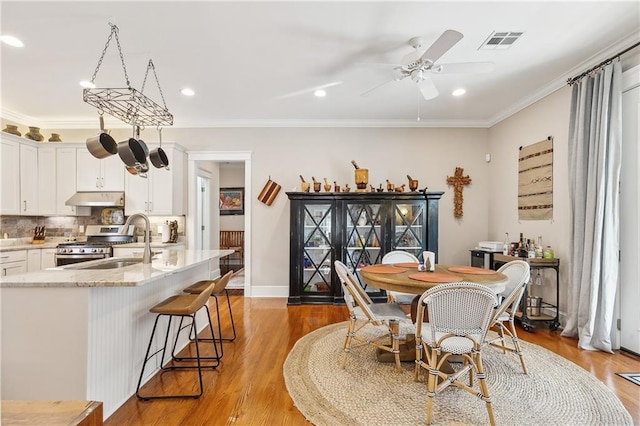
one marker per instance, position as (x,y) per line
(439,47)
(427,88)
(309,90)
(368,92)
(465,67)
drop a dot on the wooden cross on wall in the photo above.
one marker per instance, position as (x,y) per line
(457,180)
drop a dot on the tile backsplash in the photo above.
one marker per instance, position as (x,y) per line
(69,226)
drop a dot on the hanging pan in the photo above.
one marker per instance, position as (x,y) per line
(132,151)
(102,145)
(157,156)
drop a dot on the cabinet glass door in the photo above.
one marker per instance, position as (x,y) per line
(363,238)
(409,228)
(317,219)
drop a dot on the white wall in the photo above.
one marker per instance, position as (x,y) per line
(427,154)
(547,117)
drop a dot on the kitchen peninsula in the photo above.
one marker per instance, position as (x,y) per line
(80,332)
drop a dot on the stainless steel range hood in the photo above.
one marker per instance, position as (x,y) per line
(96,199)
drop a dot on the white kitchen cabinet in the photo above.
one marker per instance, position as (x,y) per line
(33,260)
(47,189)
(94,174)
(66,169)
(13,262)
(10,177)
(162,192)
(28,180)
(47,258)
(57,182)
(19,173)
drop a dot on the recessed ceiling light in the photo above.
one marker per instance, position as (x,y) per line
(11,41)
(320,93)
(458,92)
(187,92)
(87,84)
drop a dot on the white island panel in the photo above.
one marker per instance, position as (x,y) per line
(85,339)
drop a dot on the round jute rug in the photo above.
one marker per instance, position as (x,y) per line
(366,392)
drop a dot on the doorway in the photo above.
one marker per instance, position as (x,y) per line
(203,216)
(213,160)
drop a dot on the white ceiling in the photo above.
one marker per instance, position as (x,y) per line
(241,58)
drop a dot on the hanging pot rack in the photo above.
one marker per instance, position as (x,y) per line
(128,104)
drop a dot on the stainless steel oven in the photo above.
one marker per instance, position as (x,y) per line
(70,253)
(100,239)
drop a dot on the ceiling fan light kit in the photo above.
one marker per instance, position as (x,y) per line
(419,67)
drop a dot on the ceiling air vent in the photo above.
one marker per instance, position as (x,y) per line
(500,40)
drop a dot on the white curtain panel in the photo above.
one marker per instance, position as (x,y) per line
(595,141)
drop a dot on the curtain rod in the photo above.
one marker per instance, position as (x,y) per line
(605,62)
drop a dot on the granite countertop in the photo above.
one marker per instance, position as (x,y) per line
(137,274)
(20,245)
(25,244)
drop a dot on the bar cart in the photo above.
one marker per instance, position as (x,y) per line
(534,310)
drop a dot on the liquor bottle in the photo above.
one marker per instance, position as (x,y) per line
(539,247)
(531,249)
(522,250)
(505,245)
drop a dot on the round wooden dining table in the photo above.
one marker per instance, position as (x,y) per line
(405,277)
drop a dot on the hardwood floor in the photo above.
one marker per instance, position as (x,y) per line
(248,387)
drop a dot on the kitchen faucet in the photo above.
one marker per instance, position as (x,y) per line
(146,256)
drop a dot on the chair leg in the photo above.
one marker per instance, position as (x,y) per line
(394,327)
(516,345)
(483,387)
(501,331)
(233,325)
(193,329)
(199,366)
(347,342)
(432,382)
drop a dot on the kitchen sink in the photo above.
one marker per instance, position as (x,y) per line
(109,264)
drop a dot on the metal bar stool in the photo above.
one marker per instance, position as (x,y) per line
(182,306)
(220,286)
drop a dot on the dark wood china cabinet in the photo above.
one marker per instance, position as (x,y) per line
(357,228)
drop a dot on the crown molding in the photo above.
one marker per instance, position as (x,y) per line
(562,80)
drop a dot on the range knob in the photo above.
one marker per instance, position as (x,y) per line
(81,250)
(95,250)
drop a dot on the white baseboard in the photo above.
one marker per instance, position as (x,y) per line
(269,291)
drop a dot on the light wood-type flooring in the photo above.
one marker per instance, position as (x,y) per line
(248,387)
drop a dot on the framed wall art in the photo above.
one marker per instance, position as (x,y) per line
(231,201)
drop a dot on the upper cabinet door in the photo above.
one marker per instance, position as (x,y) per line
(47,183)
(112,173)
(10,178)
(88,171)
(95,174)
(29,180)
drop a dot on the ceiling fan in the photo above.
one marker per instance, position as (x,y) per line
(418,67)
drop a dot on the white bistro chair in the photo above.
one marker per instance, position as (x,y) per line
(518,272)
(459,317)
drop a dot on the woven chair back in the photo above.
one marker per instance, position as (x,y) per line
(398,256)
(460,308)
(518,272)
(354,295)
